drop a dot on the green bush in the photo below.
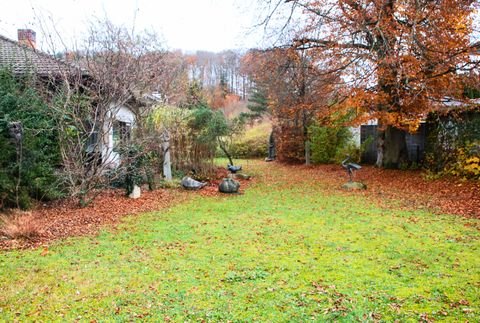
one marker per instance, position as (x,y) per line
(27,170)
(194,136)
(466,164)
(253,144)
(250,148)
(132,157)
(331,144)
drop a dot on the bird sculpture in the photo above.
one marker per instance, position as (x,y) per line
(350,167)
(191,184)
(234,169)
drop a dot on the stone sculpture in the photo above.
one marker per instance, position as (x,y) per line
(167,165)
(234,169)
(228,185)
(191,184)
(271,148)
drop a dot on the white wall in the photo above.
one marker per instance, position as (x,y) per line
(119,113)
(356,136)
(356,132)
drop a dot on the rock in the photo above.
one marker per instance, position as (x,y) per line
(228,185)
(191,184)
(354,186)
(241,176)
(136,193)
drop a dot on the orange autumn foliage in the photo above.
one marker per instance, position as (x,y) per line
(297,94)
(402,57)
(219,100)
(394,60)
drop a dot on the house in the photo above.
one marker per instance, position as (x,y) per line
(415,142)
(24,59)
(441,131)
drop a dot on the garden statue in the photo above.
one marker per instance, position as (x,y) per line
(350,168)
(228,185)
(234,169)
(271,148)
(167,169)
(191,184)
(16,132)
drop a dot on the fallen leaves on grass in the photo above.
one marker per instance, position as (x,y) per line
(65,218)
(409,188)
(212,188)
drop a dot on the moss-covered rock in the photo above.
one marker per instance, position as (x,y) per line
(354,186)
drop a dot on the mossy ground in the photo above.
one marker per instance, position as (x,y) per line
(289,249)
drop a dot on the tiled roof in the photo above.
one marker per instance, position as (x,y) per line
(23,59)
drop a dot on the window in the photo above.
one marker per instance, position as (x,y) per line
(92,142)
(121,133)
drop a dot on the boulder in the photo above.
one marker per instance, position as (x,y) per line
(241,176)
(354,186)
(228,185)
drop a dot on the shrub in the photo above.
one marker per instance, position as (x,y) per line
(19,226)
(28,165)
(332,144)
(253,144)
(138,166)
(194,136)
(132,160)
(249,148)
(174,183)
(467,163)
(453,145)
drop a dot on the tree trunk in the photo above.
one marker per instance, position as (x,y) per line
(380,148)
(394,151)
(225,151)
(307,152)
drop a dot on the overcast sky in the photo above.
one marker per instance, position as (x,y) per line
(189,25)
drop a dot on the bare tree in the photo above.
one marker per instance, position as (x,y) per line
(100,85)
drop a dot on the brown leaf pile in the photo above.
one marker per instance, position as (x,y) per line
(65,218)
(410,188)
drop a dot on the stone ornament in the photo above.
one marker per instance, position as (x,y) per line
(191,184)
(229,185)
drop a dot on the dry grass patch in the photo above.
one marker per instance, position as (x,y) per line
(19,225)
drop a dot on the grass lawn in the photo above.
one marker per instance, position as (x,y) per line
(291,248)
